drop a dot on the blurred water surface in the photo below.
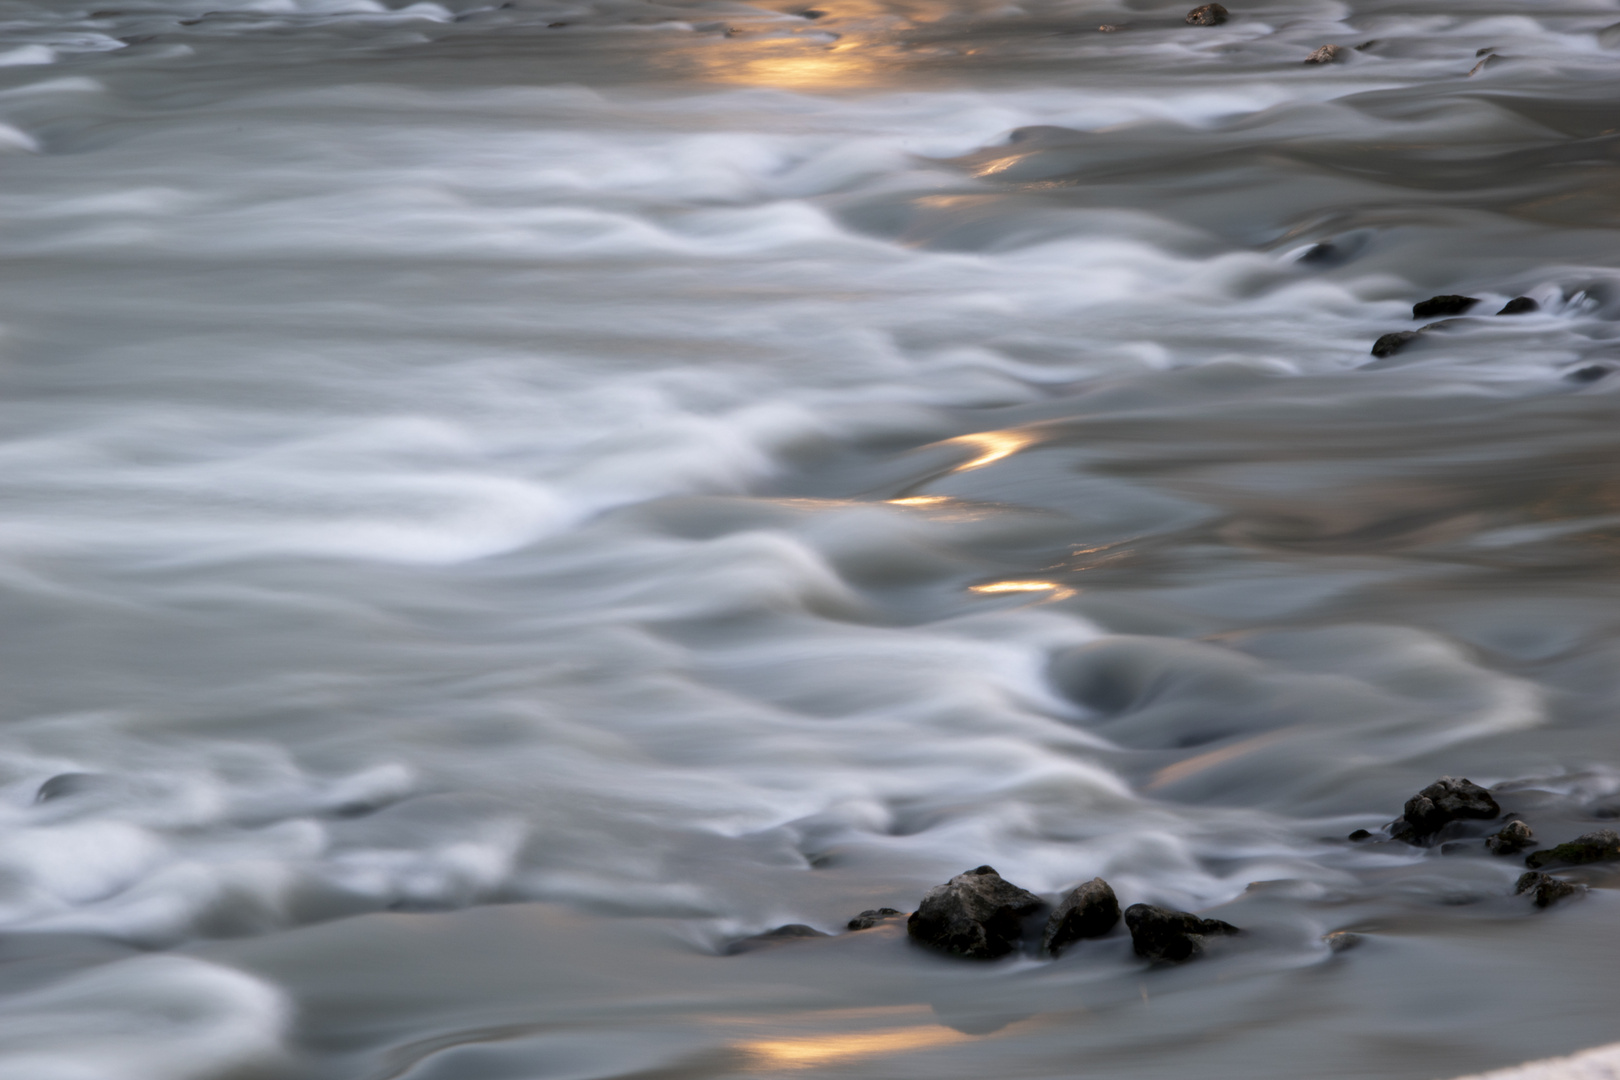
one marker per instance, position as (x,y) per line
(502,501)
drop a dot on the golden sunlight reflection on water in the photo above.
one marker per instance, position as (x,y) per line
(1059,592)
(994,445)
(790,63)
(809,1051)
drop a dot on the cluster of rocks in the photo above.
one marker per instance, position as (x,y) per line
(1434,814)
(982,916)
(1446,305)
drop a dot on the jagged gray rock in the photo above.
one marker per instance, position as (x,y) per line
(1514,837)
(1161,934)
(1327,54)
(1446,800)
(1545,889)
(976,915)
(1090,910)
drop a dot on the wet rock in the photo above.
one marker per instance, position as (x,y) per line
(1107,28)
(1600,846)
(1090,910)
(868,919)
(1207,15)
(976,914)
(1340,940)
(1450,304)
(1359,835)
(1545,889)
(1519,305)
(790,932)
(67,785)
(1514,837)
(1327,54)
(1390,344)
(1164,935)
(1591,373)
(1446,800)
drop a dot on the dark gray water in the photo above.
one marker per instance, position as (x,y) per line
(503,501)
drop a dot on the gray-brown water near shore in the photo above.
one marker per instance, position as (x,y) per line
(503,501)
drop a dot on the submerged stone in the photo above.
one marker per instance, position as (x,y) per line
(1519,305)
(1359,835)
(1340,940)
(1446,800)
(1545,889)
(1450,304)
(1390,344)
(1171,936)
(1600,846)
(1327,54)
(868,919)
(1591,373)
(1090,910)
(977,915)
(1514,837)
(1207,15)
(790,932)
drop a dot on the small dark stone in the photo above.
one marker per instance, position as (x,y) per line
(555,25)
(1319,253)
(1600,846)
(1450,304)
(868,919)
(1207,15)
(1514,837)
(1591,373)
(1519,305)
(1546,889)
(66,785)
(1359,835)
(1327,54)
(1438,805)
(812,13)
(1090,910)
(1340,940)
(976,914)
(1161,934)
(1107,28)
(1390,344)
(1365,45)
(790,932)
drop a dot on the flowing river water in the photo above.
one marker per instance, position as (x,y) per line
(504,500)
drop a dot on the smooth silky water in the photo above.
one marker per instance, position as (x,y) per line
(503,501)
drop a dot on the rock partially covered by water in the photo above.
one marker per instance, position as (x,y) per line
(1164,935)
(1327,54)
(976,914)
(1390,344)
(1446,800)
(790,932)
(1450,304)
(1207,15)
(1514,837)
(1545,889)
(1600,846)
(868,919)
(1519,305)
(1090,910)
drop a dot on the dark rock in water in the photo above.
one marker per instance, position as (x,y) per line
(1161,934)
(1207,15)
(1514,837)
(1390,344)
(868,919)
(1340,940)
(1600,846)
(1090,910)
(68,784)
(976,914)
(1327,54)
(1438,805)
(1359,835)
(1545,889)
(812,13)
(1443,305)
(1519,305)
(1591,373)
(790,932)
